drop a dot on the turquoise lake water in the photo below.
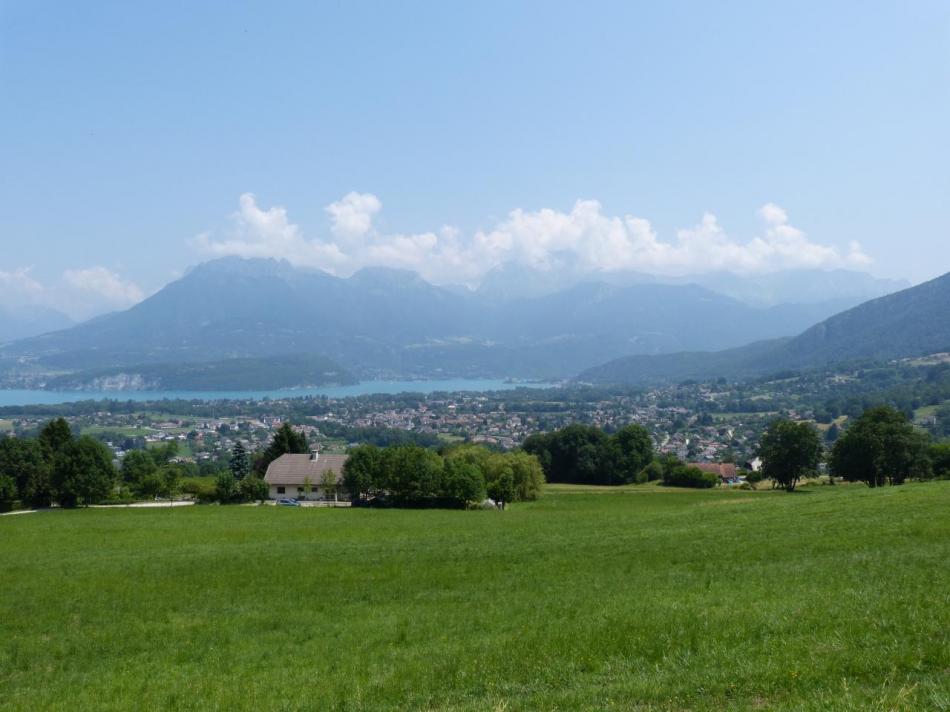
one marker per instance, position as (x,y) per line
(29,397)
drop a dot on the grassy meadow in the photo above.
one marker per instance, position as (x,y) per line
(834,598)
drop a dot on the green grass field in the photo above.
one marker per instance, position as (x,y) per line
(126,431)
(834,598)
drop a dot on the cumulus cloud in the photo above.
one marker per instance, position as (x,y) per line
(352,215)
(584,239)
(268,233)
(80,293)
(104,283)
(19,286)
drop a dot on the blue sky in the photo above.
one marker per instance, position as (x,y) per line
(450,137)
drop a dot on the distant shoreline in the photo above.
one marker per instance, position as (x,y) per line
(25,397)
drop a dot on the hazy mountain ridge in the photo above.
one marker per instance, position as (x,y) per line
(798,286)
(386,322)
(912,322)
(227,374)
(27,321)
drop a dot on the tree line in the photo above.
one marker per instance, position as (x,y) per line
(413,476)
(881,447)
(55,466)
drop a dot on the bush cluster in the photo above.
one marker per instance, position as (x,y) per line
(409,475)
(584,454)
(683,475)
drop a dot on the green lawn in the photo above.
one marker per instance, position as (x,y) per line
(928,411)
(127,431)
(835,598)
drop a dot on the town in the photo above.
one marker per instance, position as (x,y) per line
(713,422)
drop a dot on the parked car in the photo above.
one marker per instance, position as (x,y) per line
(288,502)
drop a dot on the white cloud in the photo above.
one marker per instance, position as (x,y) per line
(19,287)
(80,293)
(105,284)
(268,233)
(585,239)
(352,215)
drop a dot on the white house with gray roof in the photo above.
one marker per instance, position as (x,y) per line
(292,475)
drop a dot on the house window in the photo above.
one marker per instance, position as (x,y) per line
(300,490)
(280,490)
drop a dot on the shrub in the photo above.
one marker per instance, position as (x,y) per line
(689,476)
(201,488)
(651,473)
(225,488)
(253,488)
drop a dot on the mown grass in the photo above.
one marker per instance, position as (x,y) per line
(124,430)
(835,598)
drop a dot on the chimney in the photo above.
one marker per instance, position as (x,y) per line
(314,455)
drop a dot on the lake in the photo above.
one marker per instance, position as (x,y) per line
(31,397)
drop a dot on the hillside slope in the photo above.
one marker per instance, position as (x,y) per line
(911,322)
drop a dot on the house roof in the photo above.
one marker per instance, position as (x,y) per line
(293,469)
(723,469)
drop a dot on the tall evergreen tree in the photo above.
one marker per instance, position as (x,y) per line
(240,464)
(285,440)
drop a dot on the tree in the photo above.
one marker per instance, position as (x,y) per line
(82,472)
(329,483)
(8,492)
(528,475)
(411,474)
(632,450)
(362,471)
(240,465)
(138,467)
(524,469)
(25,462)
(285,440)
(462,483)
(940,460)
(169,481)
(164,453)
(831,434)
(54,436)
(789,452)
(225,487)
(881,447)
(502,488)
(575,454)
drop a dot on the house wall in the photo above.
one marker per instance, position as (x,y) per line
(296,491)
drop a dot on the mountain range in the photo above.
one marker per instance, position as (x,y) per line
(912,322)
(26,321)
(384,322)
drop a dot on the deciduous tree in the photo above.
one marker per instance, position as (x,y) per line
(790,451)
(82,472)
(881,447)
